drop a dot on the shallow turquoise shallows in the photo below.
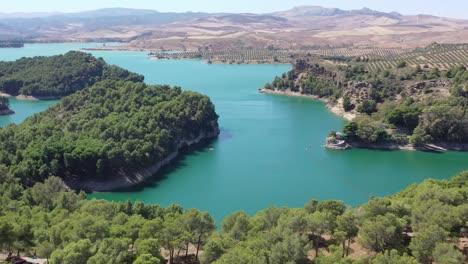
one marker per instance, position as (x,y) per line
(270,151)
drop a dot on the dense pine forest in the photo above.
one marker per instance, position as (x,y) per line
(403,104)
(422,224)
(111,128)
(58,76)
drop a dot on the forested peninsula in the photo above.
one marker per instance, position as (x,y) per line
(111,135)
(58,76)
(426,223)
(401,107)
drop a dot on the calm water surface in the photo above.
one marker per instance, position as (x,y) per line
(270,151)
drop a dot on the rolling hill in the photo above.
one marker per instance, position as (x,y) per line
(298,28)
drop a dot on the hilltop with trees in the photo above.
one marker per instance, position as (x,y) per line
(58,76)
(116,132)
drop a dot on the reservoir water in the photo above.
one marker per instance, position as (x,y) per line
(270,151)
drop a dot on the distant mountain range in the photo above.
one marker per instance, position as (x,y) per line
(28,15)
(299,27)
(126,12)
(304,11)
(43,25)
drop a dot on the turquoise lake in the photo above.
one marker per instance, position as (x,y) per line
(270,151)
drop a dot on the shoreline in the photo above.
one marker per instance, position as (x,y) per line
(116,48)
(127,179)
(219,62)
(30,97)
(5,95)
(434,147)
(337,110)
(334,108)
(293,94)
(37,98)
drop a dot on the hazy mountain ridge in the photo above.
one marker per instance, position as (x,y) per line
(299,27)
(302,11)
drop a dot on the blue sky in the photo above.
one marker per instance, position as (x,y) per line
(447,8)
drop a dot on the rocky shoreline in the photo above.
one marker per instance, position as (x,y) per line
(31,97)
(332,143)
(130,178)
(37,97)
(344,145)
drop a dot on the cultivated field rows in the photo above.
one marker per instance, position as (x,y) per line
(442,56)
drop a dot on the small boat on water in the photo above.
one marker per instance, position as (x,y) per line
(211,149)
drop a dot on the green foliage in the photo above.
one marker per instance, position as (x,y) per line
(351,129)
(405,116)
(446,121)
(217,245)
(112,250)
(71,229)
(367,107)
(4,103)
(236,225)
(425,242)
(59,75)
(393,257)
(107,129)
(311,206)
(336,257)
(367,130)
(447,254)
(276,235)
(401,64)
(74,253)
(150,246)
(332,134)
(347,223)
(242,255)
(384,232)
(318,224)
(419,137)
(318,84)
(93,231)
(347,105)
(291,249)
(147,259)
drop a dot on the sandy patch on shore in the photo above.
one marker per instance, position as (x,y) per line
(20,97)
(338,109)
(26,97)
(291,93)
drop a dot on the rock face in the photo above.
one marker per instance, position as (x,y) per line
(334,143)
(131,177)
(6,112)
